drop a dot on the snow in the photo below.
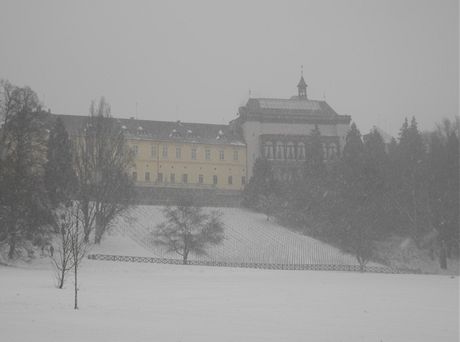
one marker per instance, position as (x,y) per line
(248,238)
(149,302)
(121,301)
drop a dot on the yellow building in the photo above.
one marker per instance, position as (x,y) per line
(180,155)
(186,155)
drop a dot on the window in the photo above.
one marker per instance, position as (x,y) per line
(193,153)
(173,178)
(147,176)
(135,150)
(208,154)
(290,150)
(200,179)
(134,175)
(153,151)
(235,155)
(214,180)
(160,178)
(178,153)
(165,151)
(301,151)
(279,150)
(243,180)
(230,180)
(268,150)
(221,155)
(184,178)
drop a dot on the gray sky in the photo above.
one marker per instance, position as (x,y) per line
(377,61)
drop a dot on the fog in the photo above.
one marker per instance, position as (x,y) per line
(377,61)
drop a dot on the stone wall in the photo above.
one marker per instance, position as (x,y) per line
(202,197)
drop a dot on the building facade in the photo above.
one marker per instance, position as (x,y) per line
(221,157)
(186,155)
(180,155)
(279,130)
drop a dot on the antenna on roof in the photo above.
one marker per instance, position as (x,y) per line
(249,92)
(136,111)
(301,70)
(324,95)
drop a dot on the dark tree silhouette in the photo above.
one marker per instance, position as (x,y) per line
(188,229)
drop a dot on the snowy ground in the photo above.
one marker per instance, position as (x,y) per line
(148,302)
(248,238)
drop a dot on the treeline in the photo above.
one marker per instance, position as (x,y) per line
(408,188)
(51,184)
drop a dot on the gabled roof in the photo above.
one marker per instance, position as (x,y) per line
(163,130)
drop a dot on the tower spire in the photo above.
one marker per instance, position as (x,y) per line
(302,86)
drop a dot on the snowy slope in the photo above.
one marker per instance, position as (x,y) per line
(248,238)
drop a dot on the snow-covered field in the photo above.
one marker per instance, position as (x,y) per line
(248,238)
(149,302)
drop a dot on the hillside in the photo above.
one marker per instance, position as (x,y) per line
(248,238)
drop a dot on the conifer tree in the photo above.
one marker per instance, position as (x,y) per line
(24,207)
(60,179)
(356,204)
(409,189)
(315,156)
(261,183)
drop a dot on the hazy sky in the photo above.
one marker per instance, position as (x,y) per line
(377,61)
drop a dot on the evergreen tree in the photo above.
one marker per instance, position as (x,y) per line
(262,182)
(356,202)
(24,207)
(409,187)
(60,179)
(443,186)
(315,156)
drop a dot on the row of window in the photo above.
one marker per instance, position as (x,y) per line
(185,178)
(291,151)
(193,154)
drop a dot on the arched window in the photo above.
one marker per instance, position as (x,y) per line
(268,150)
(301,151)
(279,150)
(290,153)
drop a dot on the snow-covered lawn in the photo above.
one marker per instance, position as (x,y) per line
(149,302)
(248,238)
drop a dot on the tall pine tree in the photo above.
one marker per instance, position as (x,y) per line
(60,178)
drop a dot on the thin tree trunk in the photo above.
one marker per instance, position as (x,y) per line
(61,280)
(185,258)
(12,248)
(76,287)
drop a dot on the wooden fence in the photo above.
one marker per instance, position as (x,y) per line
(300,267)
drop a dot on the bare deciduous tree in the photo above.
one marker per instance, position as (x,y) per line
(78,248)
(102,162)
(62,256)
(187,229)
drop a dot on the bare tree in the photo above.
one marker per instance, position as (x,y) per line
(187,229)
(78,248)
(102,162)
(62,256)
